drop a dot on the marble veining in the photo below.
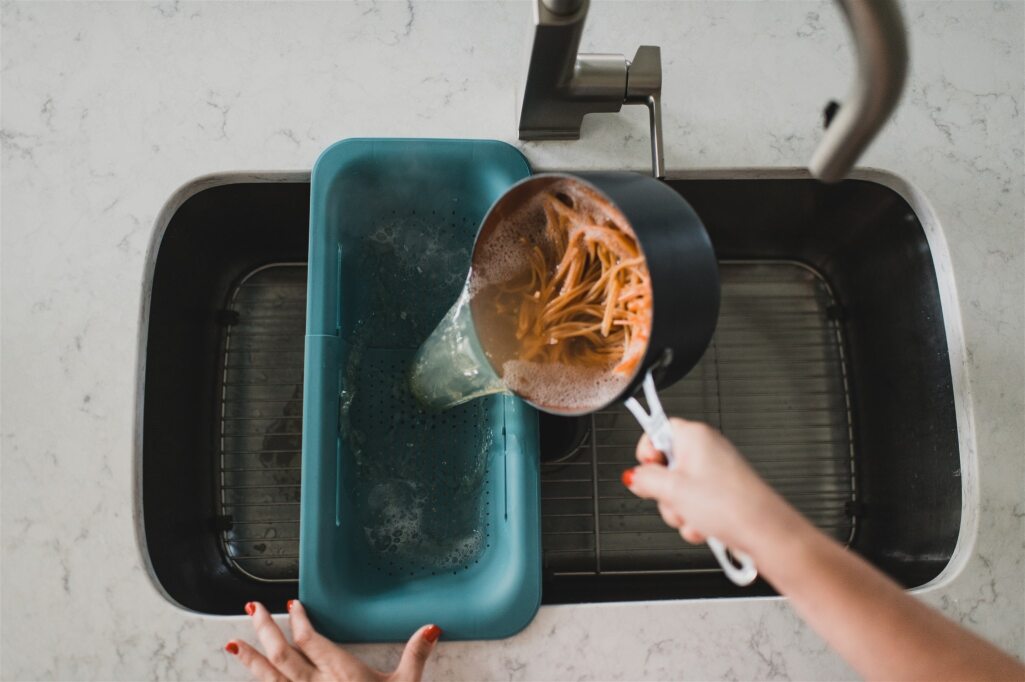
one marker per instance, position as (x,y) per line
(110,108)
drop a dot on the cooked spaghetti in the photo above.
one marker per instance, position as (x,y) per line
(585,299)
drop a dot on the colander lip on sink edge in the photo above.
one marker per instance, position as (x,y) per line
(500,592)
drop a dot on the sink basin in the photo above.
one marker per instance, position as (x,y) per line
(829,369)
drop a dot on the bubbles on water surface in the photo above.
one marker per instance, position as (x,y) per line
(417,484)
(406,529)
(563,386)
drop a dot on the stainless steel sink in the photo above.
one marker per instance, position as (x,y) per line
(829,369)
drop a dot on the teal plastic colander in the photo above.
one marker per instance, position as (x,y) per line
(407,517)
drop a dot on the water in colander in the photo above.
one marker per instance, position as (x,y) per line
(418,484)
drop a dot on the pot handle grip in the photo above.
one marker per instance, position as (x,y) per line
(738,566)
(743,572)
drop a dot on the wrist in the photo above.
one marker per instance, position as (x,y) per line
(780,530)
(786,548)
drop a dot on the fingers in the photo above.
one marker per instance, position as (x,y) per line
(650,481)
(280,653)
(692,535)
(256,662)
(324,653)
(417,650)
(672,519)
(646,452)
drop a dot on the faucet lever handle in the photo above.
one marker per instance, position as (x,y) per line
(644,86)
(644,73)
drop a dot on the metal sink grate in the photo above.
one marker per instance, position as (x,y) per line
(773,380)
(261,422)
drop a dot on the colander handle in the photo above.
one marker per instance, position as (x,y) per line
(738,566)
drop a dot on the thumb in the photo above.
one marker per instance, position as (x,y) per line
(651,481)
(418,649)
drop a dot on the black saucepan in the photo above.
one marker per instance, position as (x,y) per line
(679,256)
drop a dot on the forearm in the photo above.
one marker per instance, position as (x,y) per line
(880,630)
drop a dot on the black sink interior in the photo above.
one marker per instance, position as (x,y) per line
(860,237)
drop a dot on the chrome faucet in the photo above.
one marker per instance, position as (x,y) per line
(562,86)
(882,55)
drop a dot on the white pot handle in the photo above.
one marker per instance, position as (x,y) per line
(742,571)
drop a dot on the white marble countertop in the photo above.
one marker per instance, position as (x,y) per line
(109,108)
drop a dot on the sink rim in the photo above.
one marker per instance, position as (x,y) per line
(916,199)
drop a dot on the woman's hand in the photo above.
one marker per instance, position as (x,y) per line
(883,632)
(710,490)
(314,657)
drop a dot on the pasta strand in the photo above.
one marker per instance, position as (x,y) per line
(586,299)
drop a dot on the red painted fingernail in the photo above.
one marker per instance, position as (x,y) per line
(250,608)
(231,648)
(432,633)
(628,477)
(289,604)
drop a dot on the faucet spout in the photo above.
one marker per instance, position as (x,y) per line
(882,57)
